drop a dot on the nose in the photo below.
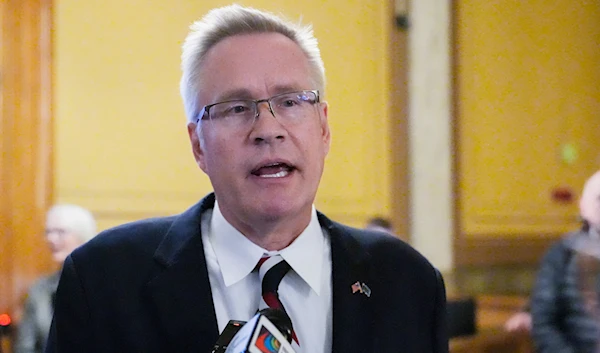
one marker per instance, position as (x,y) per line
(264,102)
(267,128)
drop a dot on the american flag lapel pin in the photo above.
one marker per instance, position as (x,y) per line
(356,287)
(366,290)
(362,288)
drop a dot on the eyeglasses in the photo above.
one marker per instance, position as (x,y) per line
(288,108)
(60,232)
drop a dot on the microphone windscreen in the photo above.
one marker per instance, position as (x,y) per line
(281,320)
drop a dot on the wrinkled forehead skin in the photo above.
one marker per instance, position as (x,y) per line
(589,204)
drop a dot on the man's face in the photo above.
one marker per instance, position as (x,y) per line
(270,171)
(61,237)
(590,201)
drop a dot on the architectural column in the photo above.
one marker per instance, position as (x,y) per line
(431,131)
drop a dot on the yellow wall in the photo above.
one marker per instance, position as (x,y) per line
(121,142)
(527,87)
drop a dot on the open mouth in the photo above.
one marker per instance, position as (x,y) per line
(273,170)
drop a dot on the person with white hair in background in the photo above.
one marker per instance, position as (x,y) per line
(565,305)
(380,224)
(67,227)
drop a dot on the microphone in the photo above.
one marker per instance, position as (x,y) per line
(281,320)
(232,328)
(270,330)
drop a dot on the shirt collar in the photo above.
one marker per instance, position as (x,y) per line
(305,254)
(237,256)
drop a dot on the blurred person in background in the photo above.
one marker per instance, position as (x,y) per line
(67,227)
(565,301)
(380,224)
(519,322)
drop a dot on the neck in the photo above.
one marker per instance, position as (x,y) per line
(273,241)
(271,234)
(274,236)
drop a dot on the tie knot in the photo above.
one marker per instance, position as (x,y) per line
(271,270)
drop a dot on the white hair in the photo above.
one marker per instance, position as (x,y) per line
(224,22)
(78,219)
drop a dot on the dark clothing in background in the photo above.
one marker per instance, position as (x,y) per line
(33,329)
(561,321)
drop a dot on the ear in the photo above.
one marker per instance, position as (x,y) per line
(193,133)
(325,131)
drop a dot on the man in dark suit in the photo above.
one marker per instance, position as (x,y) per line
(252,85)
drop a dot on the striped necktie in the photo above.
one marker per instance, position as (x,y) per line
(271,270)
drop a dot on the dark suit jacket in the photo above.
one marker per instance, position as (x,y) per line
(144,287)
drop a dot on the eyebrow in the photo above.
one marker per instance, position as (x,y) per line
(243,93)
(239,93)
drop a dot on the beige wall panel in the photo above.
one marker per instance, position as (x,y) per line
(527,86)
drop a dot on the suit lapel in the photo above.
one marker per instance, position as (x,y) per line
(352,314)
(181,292)
(181,289)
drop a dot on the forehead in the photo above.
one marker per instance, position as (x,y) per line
(57,220)
(258,64)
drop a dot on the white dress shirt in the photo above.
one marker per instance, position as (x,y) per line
(305,291)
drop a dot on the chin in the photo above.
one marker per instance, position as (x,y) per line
(276,209)
(59,258)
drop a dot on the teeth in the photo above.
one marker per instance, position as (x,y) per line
(280,174)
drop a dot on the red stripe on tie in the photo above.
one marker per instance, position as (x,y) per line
(271,274)
(272,300)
